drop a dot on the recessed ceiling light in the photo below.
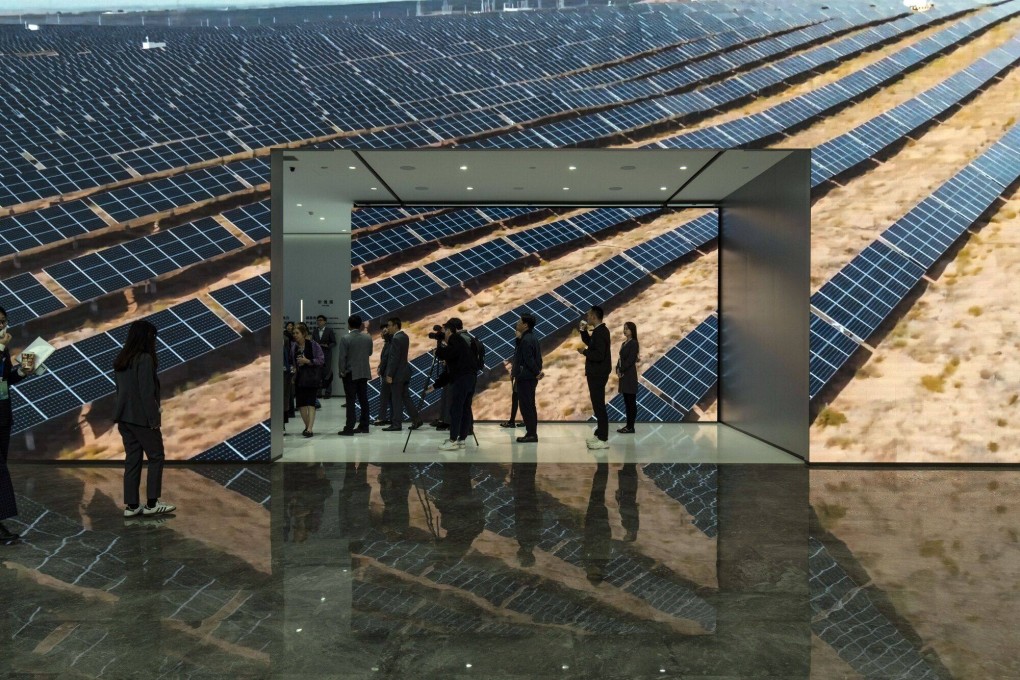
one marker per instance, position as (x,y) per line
(746,167)
(407,167)
(321,219)
(628,167)
(374,188)
(566,188)
(572,167)
(470,188)
(299,205)
(351,167)
(683,167)
(421,188)
(463,167)
(323,167)
(662,188)
(615,188)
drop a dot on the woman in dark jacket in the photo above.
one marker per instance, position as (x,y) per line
(139,417)
(10,375)
(308,360)
(626,370)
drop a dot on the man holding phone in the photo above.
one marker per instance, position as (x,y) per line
(598,365)
(9,376)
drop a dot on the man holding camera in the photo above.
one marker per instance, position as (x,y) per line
(353,352)
(526,372)
(398,375)
(458,351)
(598,365)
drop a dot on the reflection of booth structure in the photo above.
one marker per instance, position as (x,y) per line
(763,201)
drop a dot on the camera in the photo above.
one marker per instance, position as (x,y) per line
(437,333)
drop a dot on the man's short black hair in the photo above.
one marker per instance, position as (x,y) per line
(454,324)
(354,321)
(528,320)
(395,320)
(3,311)
(321,316)
(598,311)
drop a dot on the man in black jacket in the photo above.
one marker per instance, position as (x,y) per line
(526,372)
(598,365)
(461,375)
(10,374)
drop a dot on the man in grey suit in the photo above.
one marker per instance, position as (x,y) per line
(353,351)
(398,375)
(326,338)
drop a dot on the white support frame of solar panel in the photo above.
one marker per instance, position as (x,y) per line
(25,299)
(688,371)
(250,446)
(830,350)
(144,258)
(864,292)
(247,301)
(80,373)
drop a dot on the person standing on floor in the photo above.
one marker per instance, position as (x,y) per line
(459,352)
(527,371)
(626,371)
(353,352)
(308,361)
(326,338)
(398,375)
(514,398)
(384,387)
(598,365)
(10,375)
(138,415)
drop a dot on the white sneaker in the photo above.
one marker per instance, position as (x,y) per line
(461,444)
(449,445)
(160,509)
(598,444)
(591,440)
(128,512)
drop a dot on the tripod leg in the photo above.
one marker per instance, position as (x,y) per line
(408,440)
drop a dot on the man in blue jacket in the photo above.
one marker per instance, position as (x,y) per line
(598,364)
(526,372)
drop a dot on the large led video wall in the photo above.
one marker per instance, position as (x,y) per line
(135,184)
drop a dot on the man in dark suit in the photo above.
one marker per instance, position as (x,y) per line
(9,375)
(353,352)
(384,387)
(326,339)
(598,365)
(526,372)
(398,375)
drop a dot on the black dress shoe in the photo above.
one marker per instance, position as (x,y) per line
(443,426)
(626,430)
(380,422)
(528,439)
(7,535)
(362,430)
(346,433)
(392,428)
(508,424)
(416,423)
(306,433)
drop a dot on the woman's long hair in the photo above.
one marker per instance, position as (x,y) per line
(141,339)
(633,330)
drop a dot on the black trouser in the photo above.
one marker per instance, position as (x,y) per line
(356,389)
(526,397)
(597,390)
(444,405)
(630,404)
(462,390)
(514,401)
(400,398)
(8,504)
(384,400)
(138,439)
(288,395)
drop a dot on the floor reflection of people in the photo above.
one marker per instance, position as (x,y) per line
(394,487)
(307,490)
(527,521)
(354,504)
(626,497)
(597,545)
(462,514)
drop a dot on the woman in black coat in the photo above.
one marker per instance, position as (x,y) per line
(626,370)
(10,375)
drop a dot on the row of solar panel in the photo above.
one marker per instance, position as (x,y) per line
(758,128)
(630,117)
(224,142)
(80,373)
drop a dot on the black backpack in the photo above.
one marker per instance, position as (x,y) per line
(478,349)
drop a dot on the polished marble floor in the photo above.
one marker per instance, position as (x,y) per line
(559,442)
(516,570)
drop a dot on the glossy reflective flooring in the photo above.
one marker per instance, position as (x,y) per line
(486,570)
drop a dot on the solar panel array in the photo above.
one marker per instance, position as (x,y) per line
(251,219)
(81,372)
(23,232)
(247,301)
(25,298)
(141,259)
(249,446)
